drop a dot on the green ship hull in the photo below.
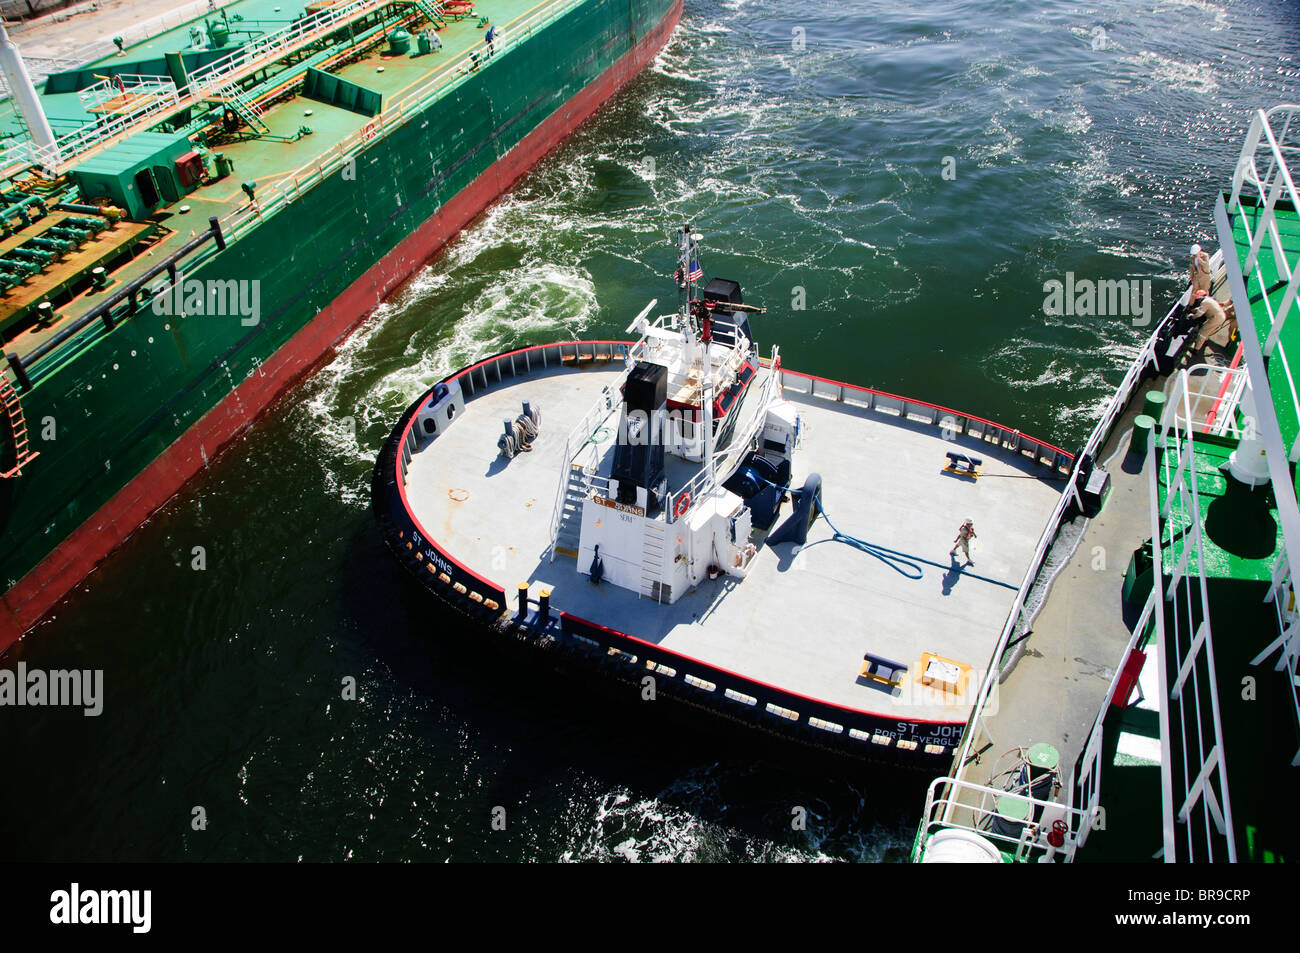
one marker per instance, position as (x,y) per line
(136,411)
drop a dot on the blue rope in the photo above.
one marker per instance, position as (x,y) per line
(896,561)
(901,563)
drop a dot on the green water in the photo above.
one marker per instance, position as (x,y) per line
(814,173)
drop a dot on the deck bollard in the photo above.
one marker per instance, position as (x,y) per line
(1153,405)
(523,602)
(1141,439)
(544,607)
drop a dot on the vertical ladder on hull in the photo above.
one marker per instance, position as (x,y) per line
(23,453)
(569,531)
(653,541)
(245,108)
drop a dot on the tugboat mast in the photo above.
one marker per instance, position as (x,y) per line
(687,256)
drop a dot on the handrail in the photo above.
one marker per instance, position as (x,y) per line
(1287,644)
(123,84)
(1273,185)
(1146,357)
(1224,395)
(1210,765)
(948,798)
(1087,781)
(25,366)
(400,111)
(578,438)
(240,221)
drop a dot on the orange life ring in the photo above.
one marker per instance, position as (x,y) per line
(683,504)
(369,132)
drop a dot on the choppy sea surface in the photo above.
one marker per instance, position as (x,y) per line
(809,145)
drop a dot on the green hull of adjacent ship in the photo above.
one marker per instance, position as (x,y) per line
(131,409)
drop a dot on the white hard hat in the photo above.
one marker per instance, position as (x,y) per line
(1196,250)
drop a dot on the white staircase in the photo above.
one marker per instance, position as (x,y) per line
(653,542)
(569,526)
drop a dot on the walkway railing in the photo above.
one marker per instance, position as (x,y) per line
(1282,593)
(1187,673)
(164,99)
(260,53)
(39,67)
(1213,395)
(284,192)
(1263,176)
(1267,186)
(267,49)
(1146,358)
(950,803)
(1085,787)
(289,188)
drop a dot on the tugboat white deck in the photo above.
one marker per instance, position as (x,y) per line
(802,619)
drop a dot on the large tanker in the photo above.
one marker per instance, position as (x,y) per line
(192,224)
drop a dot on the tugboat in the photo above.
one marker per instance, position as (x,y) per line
(699,522)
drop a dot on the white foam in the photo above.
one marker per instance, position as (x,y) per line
(1176,74)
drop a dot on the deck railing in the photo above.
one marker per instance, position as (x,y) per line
(1263,176)
(39,67)
(1187,673)
(1213,394)
(1085,786)
(705,482)
(287,190)
(413,104)
(950,803)
(1266,187)
(1145,359)
(1282,593)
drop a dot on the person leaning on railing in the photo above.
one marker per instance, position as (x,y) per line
(1218,323)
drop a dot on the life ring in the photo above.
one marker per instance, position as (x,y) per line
(369,132)
(683,504)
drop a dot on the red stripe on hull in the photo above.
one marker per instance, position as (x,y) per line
(73,559)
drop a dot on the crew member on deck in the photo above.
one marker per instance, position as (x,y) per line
(962,542)
(1218,324)
(1199,274)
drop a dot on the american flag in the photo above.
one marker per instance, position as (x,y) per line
(696,271)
